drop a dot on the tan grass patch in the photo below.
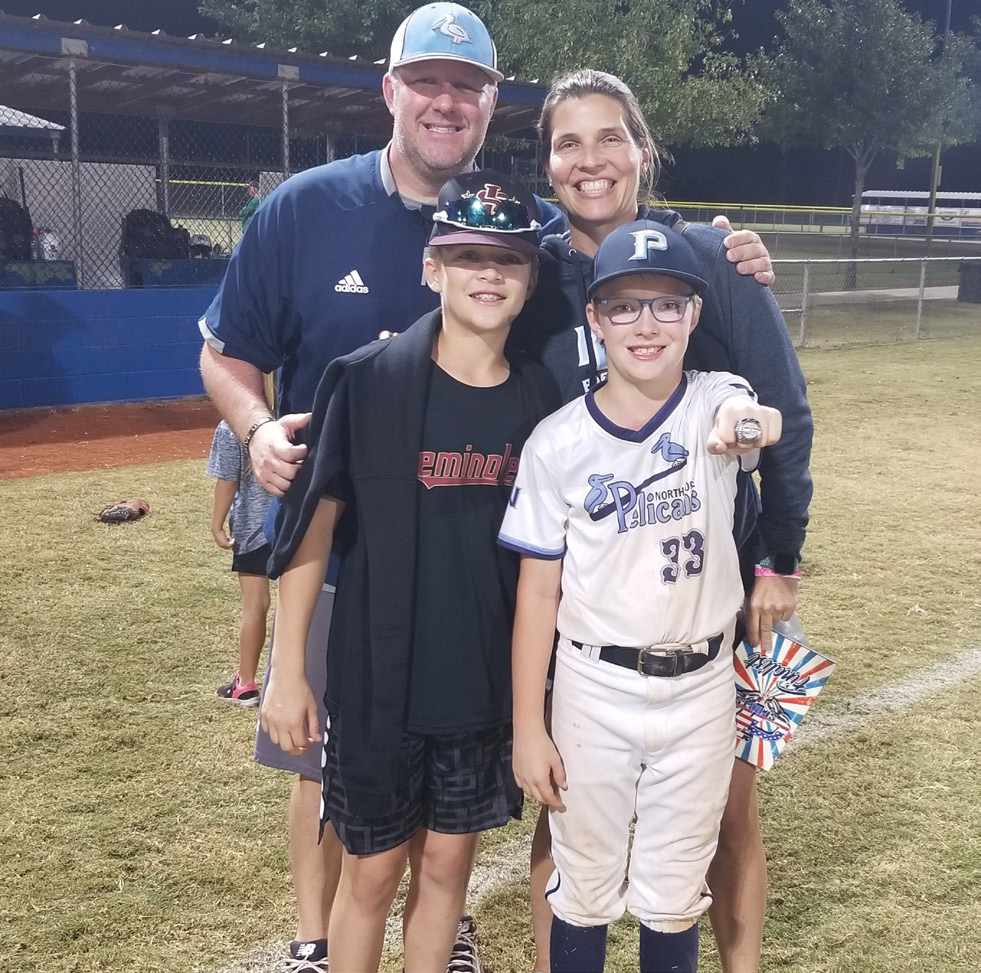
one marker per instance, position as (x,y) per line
(135,833)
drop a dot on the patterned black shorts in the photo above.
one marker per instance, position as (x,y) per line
(455,784)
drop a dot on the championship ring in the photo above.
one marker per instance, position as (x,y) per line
(749,432)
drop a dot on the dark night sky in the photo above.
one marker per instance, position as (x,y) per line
(718,174)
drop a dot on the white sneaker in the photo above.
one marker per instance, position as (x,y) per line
(464,958)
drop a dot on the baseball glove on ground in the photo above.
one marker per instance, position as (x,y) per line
(123,510)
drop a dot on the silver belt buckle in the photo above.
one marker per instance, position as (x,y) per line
(673,654)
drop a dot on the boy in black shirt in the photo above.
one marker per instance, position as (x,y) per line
(414,446)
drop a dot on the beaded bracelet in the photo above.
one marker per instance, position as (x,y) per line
(252,430)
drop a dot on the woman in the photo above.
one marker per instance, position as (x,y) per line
(600,160)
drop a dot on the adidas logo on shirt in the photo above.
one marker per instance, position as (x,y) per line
(351,284)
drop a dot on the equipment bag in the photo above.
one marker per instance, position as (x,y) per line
(16,231)
(148,235)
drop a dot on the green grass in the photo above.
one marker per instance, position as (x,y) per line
(137,835)
(883,322)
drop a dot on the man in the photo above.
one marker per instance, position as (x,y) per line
(330,253)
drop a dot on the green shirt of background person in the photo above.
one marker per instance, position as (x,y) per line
(246,213)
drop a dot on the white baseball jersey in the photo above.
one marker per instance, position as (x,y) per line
(643,519)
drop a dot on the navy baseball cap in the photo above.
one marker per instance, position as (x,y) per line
(444,32)
(646,247)
(487,208)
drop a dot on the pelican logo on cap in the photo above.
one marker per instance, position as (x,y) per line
(444,32)
(456,32)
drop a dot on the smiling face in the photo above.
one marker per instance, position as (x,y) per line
(481,288)
(647,354)
(441,111)
(594,166)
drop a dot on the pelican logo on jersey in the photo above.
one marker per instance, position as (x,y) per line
(351,283)
(448,27)
(447,468)
(647,240)
(637,506)
(623,498)
(670,452)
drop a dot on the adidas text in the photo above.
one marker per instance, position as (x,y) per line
(351,284)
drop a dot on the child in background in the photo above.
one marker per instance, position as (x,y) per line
(244,504)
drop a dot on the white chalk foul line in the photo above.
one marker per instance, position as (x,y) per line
(507,864)
(858,712)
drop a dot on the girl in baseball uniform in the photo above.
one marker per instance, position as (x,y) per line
(623,513)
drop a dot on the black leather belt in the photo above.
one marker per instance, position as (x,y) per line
(648,662)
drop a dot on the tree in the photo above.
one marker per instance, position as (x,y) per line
(669,51)
(340,27)
(866,76)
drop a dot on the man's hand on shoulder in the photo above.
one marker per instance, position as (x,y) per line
(747,251)
(276,459)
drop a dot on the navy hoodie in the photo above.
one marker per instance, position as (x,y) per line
(741,330)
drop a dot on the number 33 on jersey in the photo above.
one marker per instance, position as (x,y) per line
(643,518)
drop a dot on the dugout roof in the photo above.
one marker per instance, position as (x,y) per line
(120,71)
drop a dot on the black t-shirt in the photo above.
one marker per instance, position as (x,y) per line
(465,582)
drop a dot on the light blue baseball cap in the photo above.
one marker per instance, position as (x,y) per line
(444,32)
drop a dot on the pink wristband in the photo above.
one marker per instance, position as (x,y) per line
(763,572)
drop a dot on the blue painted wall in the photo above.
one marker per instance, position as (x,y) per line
(60,348)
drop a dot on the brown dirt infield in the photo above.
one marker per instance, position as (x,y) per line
(38,441)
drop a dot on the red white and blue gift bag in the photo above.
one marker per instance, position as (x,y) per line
(774,688)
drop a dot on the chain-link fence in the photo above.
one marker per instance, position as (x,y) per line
(138,179)
(142,188)
(951,223)
(835,302)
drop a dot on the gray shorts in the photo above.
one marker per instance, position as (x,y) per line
(309,764)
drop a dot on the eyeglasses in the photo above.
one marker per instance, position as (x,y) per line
(626,310)
(488,211)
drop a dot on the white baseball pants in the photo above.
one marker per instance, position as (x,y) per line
(658,749)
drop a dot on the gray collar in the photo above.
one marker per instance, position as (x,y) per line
(388,181)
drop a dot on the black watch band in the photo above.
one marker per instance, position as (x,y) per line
(783,563)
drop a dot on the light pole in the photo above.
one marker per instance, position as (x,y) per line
(935,177)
